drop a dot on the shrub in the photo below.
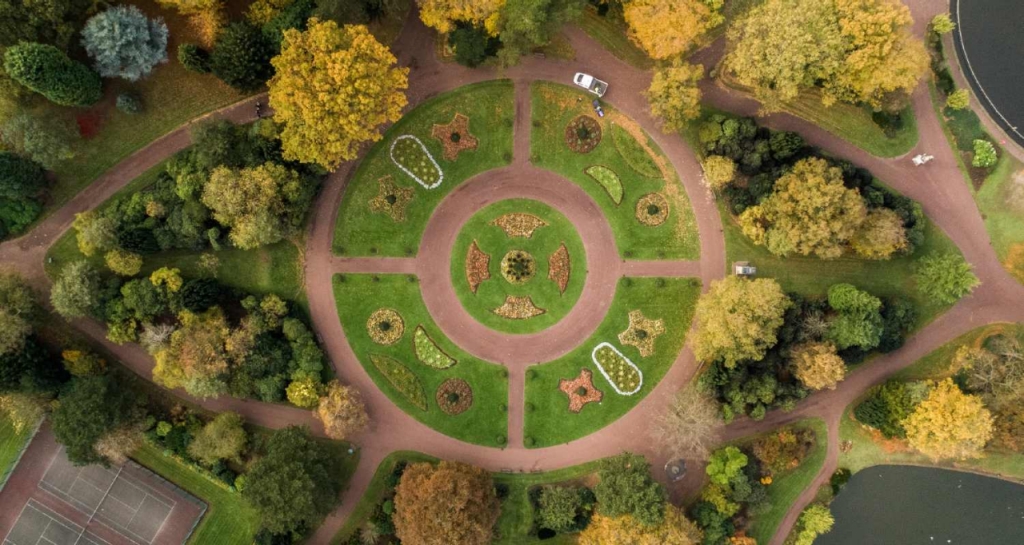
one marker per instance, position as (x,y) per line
(124,43)
(294,16)
(129,103)
(123,263)
(194,58)
(784,449)
(719,171)
(564,508)
(885,408)
(20,178)
(942,24)
(959,99)
(472,45)
(984,154)
(945,278)
(45,139)
(49,72)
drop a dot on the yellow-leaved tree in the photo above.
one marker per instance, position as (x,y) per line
(333,90)
(880,236)
(667,28)
(442,15)
(818,366)
(206,17)
(674,96)
(949,424)
(676,530)
(737,319)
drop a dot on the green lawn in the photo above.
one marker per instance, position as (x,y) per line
(849,122)
(610,32)
(812,276)
(358,296)
(786,487)
(869,449)
(11,444)
(553,107)
(228,520)
(490,109)
(550,422)
(545,241)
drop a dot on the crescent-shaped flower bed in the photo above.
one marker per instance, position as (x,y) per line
(608,179)
(624,376)
(411,156)
(478,265)
(428,352)
(559,268)
(404,380)
(634,153)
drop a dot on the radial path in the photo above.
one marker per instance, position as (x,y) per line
(940,188)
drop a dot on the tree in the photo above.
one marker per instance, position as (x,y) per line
(296,482)
(674,96)
(117,444)
(858,321)
(689,426)
(527,24)
(31,370)
(985,154)
(814,521)
(94,233)
(818,366)
(472,45)
(737,319)
(76,292)
(626,488)
(123,263)
(223,438)
(45,22)
(942,24)
(327,128)
(945,277)
(668,28)
(194,58)
(675,530)
(262,12)
(725,465)
(561,507)
(49,72)
(124,43)
(996,371)
(83,363)
(880,236)
(47,140)
(949,424)
(809,211)
(719,171)
(342,411)
(886,408)
(20,178)
(87,409)
(442,15)
(959,99)
(466,516)
(196,357)
(206,17)
(262,204)
(18,310)
(241,57)
(304,392)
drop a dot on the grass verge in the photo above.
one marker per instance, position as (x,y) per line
(362,232)
(548,421)
(610,32)
(12,442)
(553,107)
(359,295)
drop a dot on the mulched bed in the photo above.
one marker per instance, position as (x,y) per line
(477,267)
(583,134)
(652,209)
(518,308)
(580,390)
(518,224)
(391,199)
(455,137)
(518,267)
(385,326)
(559,268)
(454,396)
(642,332)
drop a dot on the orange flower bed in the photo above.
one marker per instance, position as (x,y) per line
(580,390)
(455,137)
(518,308)
(519,224)
(477,267)
(559,268)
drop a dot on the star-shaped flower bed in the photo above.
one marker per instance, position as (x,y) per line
(580,390)
(455,137)
(642,332)
(391,199)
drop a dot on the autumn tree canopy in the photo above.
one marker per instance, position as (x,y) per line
(818,366)
(442,15)
(737,319)
(675,530)
(674,96)
(333,90)
(949,424)
(448,503)
(668,28)
(342,411)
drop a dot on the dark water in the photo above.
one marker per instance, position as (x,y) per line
(990,35)
(905,505)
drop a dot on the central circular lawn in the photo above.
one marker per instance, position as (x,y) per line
(540,285)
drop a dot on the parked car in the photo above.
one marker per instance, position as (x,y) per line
(590,83)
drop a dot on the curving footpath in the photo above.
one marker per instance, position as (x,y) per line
(939,187)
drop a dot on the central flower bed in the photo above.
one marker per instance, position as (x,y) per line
(518,266)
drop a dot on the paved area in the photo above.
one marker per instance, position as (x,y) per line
(940,188)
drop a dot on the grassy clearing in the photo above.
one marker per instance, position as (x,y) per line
(785,488)
(553,107)
(812,276)
(870,448)
(610,32)
(493,241)
(11,444)
(358,296)
(228,520)
(550,422)
(490,108)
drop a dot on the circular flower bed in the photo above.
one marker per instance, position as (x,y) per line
(385,326)
(583,134)
(652,209)
(518,267)
(454,396)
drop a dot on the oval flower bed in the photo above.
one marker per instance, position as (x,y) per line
(608,179)
(454,396)
(622,374)
(428,352)
(385,326)
(410,155)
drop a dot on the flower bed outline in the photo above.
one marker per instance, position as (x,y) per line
(615,386)
(391,153)
(391,368)
(420,337)
(613,186)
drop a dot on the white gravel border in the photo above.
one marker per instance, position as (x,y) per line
(391,153)
(593,357)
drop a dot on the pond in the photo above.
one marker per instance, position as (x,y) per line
(906,505)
